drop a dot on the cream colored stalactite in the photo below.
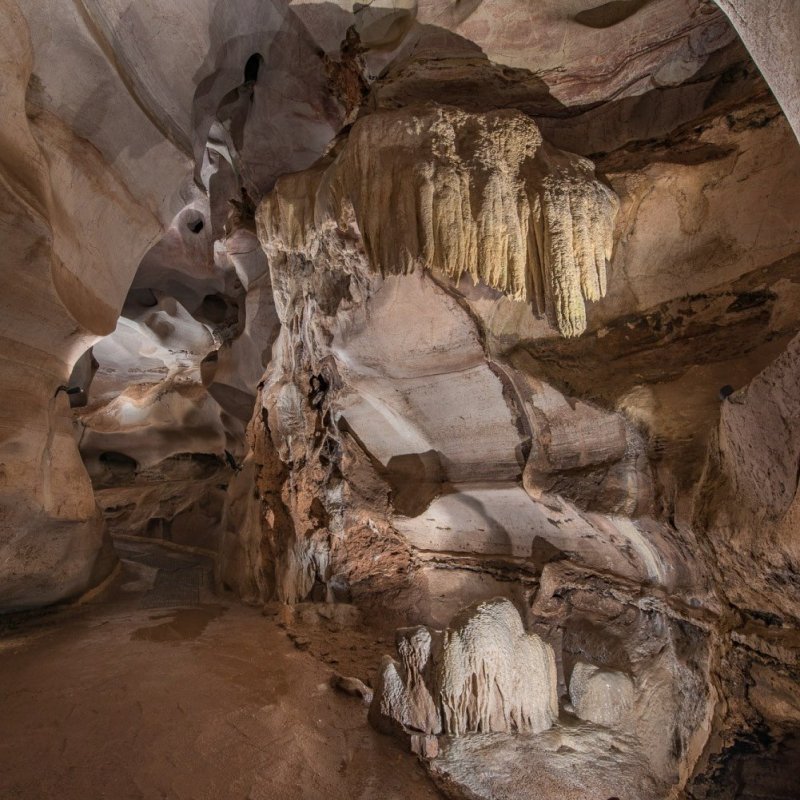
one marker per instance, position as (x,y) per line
(480,194)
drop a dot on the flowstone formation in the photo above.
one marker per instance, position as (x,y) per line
(600,695)
(494,676)
(480,194)
(485,675)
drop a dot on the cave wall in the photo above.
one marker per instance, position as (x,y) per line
(60,191)
(421,442)
(769,33)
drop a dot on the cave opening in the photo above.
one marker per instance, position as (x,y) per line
(252,67)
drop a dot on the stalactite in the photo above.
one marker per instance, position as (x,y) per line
(476,194)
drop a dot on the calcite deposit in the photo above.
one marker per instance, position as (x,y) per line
(457,193)
(599,695)
(467,325)
(482,674)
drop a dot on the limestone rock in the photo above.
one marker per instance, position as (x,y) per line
(600,695)
(425,746)
(480,194)
(562,763)
(493,676)
(353,686)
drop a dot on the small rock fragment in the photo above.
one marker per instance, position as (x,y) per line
(352,686)
(300,642)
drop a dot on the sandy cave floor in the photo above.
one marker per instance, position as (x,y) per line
(159,689)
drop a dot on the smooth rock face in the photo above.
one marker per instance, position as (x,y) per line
(58,300)
(600,695)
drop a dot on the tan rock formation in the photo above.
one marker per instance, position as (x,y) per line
(460,193)
(58,192)
(516,330)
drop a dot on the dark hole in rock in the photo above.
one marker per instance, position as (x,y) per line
(746,300)
(340,589)
(214,308)
(77,397)
(118,462)
(158,528)
(759,764)
(318,593)
(252,67)
(610,14)
(142,297)
(319,386)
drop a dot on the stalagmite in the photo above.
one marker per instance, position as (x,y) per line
(402,700)
(493,675)
(490,676)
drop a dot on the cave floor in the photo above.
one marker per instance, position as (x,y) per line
(159,689)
